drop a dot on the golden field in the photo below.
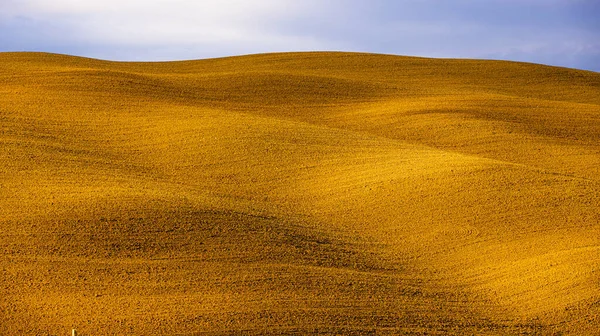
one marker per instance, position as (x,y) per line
(298,193)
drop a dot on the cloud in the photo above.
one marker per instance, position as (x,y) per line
(557,32)
(560,32)
(186,24)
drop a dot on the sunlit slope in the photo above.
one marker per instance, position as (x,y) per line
(307,192)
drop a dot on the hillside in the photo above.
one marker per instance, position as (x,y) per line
(334,193)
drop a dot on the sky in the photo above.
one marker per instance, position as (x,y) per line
(555,32)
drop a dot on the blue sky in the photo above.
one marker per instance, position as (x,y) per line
(555,32)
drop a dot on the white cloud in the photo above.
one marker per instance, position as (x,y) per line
(207,23)
(178,29)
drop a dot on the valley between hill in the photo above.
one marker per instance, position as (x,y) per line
(296,193)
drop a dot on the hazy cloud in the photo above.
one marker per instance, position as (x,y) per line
(559,32)
(196,28)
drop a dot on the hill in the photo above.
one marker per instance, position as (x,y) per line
(335,193)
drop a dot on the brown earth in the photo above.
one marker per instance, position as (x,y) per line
(298,193)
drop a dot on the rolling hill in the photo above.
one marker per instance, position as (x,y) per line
(296,193)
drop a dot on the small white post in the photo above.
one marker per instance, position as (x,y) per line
(74,332)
